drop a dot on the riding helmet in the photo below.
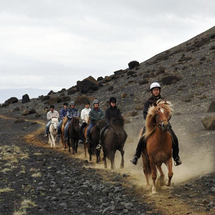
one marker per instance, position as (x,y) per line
(51,106)
(113,100)
(96,101)
(87,103)
(65,104)
(155,85)
(72,103)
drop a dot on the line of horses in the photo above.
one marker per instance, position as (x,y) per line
(113,140)
(158,149)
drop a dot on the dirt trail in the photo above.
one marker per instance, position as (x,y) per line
(177,199)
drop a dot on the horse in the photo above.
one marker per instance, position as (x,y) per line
(73,134)
(53,131)
(65,119)
(114,139)
(159,143)
(94,140)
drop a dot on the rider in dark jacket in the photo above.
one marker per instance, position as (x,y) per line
(112,112)
(156,90)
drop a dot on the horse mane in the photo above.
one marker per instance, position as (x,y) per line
(54,120)
(117,122)
(150,119)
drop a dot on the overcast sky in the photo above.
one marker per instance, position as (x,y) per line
(50,44)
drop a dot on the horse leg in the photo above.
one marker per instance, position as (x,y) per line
(154,175)
(105,160)
(122,160)
(170,172)
(161,177)
(53,140)
(97,156)
(76,146)
(146,171)
(112,159)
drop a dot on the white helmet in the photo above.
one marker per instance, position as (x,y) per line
(154,85)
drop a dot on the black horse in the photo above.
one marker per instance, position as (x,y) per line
(114,139)
(73,134)
(94,140)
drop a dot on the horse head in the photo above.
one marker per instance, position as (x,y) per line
(54,123)
(117,122)
(75,123)
(158,115)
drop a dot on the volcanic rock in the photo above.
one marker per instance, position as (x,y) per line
(209,122)
(25,98)
(87,84)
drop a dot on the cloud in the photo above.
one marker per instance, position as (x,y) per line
(53,44)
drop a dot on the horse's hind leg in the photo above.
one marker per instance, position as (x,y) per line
(154,175)
(122,160)
(105,160)
(170,172)
(112,159)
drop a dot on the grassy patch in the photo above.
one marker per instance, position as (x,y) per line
(6,190)
(24,206)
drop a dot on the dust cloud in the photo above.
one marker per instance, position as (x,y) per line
(197,160)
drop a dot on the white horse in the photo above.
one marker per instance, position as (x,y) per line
(53,131)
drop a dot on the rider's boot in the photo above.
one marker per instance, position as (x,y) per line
(141,144)
(177,161)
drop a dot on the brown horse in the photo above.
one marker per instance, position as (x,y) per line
(73,134)
(159,143)
(114,139)
(65,119)
(94,140)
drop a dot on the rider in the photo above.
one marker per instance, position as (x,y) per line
(84,118)
(63,113)
(95,115)
(71,112)
(112,112)
(51,114)
(155,89)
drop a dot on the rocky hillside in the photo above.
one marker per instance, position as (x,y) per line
(186,73)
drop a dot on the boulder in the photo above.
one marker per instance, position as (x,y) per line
(72,90)
(170,80)
(133,64)
(25,98)
(16,109)
(145,81)
(211,107)
(32,111)
(139,107)
(19,120)
(124,95)
(100,78)
(53,100)
(25,112)
(110,88)
(108,78)
(11,100)
(209,122)
(87,84)
(80,100)
(44,98)
(51,93)
(130,114)
(5,104)
(64,99)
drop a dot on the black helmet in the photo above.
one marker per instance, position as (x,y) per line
(87,103)
(113,100)
(51,106)
(65,103)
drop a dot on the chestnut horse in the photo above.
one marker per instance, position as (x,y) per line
(62,132)
(159,143)
(73,134)
(114,139)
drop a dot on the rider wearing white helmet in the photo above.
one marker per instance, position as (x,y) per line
(155,89)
